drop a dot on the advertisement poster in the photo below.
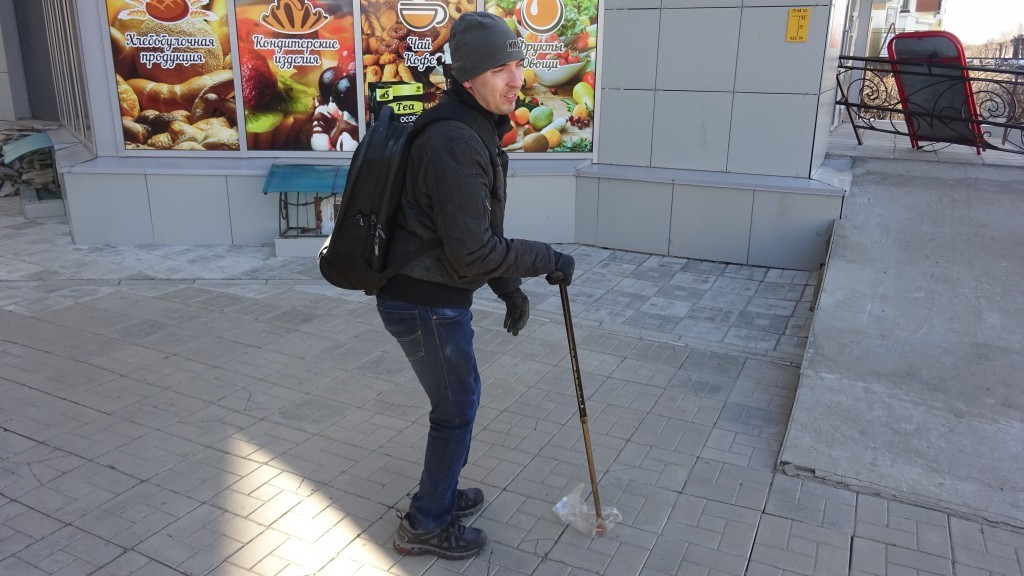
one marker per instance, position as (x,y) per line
(173,74)
(296,69)
(556,108)
(403,49)
(297,63)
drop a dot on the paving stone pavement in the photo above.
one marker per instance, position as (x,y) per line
(216,410)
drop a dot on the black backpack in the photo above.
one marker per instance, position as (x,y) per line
(354,256)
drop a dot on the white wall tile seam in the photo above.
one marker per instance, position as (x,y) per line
(149,207)
(231,222)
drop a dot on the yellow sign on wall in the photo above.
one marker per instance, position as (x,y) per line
(796,27)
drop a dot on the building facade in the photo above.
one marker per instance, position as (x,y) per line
(709,125)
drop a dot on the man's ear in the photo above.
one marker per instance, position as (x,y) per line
(468,86)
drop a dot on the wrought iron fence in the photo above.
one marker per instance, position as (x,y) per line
(868,90)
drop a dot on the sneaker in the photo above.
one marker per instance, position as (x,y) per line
(456,541)
(467,502)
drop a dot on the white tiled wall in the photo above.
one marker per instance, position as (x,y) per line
(711,223)
(772,134)
(108,208)
(624,136)
(538,207)
(697,49)
(254,215)
(766,63)
(826,111)
(189,209)
(630,48)
(727,95)
(169,209)
(760,116)
(833,45)
(697,139)
(701,3)
(631,4)
(586,210)
(634,215)
(786,3)
(791,230)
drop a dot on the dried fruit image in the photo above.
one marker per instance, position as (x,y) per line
(404,42)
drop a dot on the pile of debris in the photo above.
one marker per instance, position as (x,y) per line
(33,170)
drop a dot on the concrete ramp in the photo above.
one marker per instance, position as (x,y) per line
(913,381)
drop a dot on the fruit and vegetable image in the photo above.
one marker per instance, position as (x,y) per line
(296,59)
(172,63)
(556,103)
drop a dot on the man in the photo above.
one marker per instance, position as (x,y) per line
(455,193)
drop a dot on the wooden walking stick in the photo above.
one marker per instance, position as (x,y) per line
(601,528)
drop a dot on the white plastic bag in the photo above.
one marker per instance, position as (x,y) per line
(576,513)
(328,212)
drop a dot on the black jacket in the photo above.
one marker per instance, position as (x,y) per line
(455,191)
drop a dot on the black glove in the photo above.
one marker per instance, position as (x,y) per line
(565,265)
(517,310)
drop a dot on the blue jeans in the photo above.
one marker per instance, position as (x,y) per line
(438,342)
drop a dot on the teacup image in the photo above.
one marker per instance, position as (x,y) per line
(420,15)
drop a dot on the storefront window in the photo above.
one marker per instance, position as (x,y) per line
(297,73)
(559,37)
(174,74)
(291,80)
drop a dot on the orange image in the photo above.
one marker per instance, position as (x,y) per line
(173,74)
(542,16)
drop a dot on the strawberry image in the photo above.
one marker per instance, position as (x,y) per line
(259,84)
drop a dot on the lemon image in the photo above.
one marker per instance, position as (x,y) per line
(529,78)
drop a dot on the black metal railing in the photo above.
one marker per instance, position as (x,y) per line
(935,107)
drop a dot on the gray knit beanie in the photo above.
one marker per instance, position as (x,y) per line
(481,41)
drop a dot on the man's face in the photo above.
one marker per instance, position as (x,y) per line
(497,88)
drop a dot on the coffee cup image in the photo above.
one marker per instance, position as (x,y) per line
(422,15)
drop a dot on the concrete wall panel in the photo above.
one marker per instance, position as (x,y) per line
(630,48)
(254,215)
(624,137)
(791,230)
(586,210)
(541,208)
(691,130)
(772,134)
(697,49)
(711,223)
(108,208)
(189,209)
(634,215)
(768,64)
